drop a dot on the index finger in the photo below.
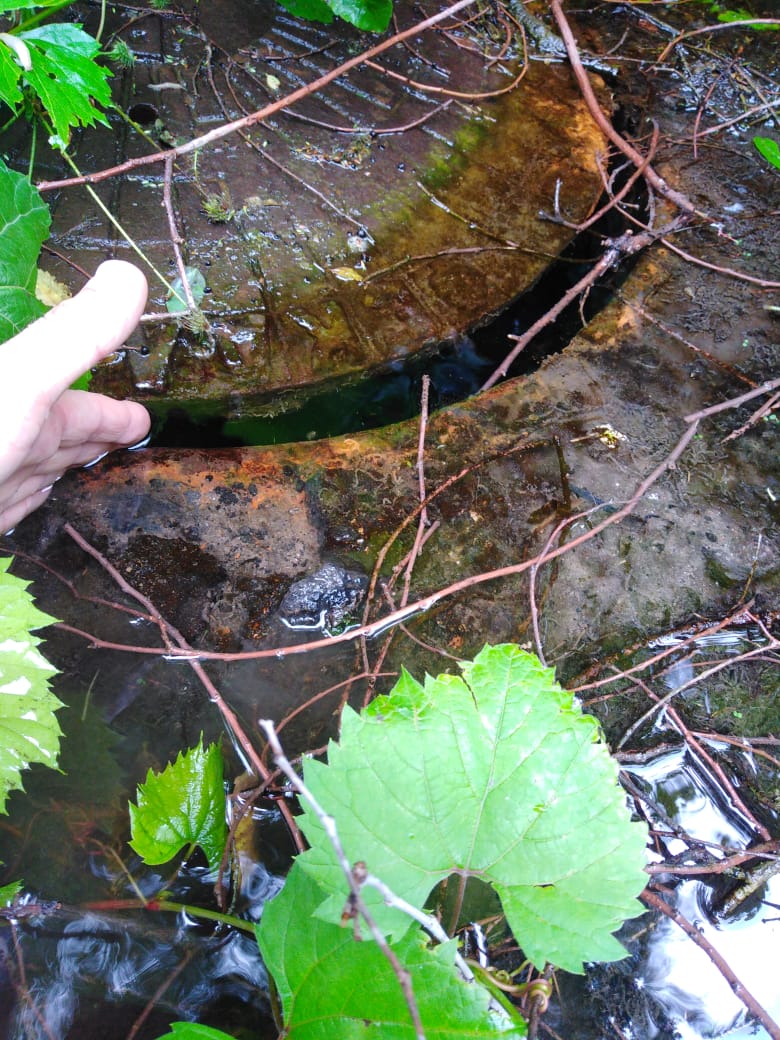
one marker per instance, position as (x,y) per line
(76,334)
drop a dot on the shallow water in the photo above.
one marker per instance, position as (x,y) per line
(95,965)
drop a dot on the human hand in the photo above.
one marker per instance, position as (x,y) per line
(45,427)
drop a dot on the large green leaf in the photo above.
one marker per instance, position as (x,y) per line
(9,892)
(335,988)
(21,5)
(194,1031)
(498,776)
(29,731)
(24,225)
(769,148)
(369,15)
(66,77)
(181,807)
(10,72)
(314,10)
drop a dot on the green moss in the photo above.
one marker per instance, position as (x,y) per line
(744,701)
(718,574)
(444,164)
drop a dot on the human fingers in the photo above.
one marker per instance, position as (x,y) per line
(76,334)
(83,418)
(12,513)
(29,486)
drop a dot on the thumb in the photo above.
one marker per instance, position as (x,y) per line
(77,333)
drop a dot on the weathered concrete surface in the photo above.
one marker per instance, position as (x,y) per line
(343,246)
(216,538)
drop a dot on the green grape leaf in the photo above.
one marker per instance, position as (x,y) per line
(335,988)
(739,14)
(24,225)
(193,1031)
(177,303)
(369,15)
(180,807)
(769,148)
(314,10)
(497,776)
(66,77)
(24,5)
(29,731)
(9,892)
(10,71)
(83,381)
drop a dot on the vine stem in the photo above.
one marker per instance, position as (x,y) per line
(651,176)
(356,876)
(115,223)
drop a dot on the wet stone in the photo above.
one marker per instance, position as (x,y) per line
(324,599)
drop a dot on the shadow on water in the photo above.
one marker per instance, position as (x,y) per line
(391,393)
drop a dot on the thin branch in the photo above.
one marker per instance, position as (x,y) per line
(654,179)
(445,91)
(663,701)
(420,467)
(716,27)
(763,283)
(428,602)
(759,414)
(652,661)
(262,114)
(617,249)
(175,644)
(738,988)
(733,402)
(176,239)
(355,876)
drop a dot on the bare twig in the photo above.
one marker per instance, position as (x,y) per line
(616,250)
(159,993)
(663,701)
(740,990)
(355,877)
(557,218)
(445,91)
(264,113)
(427,602)
(420,465)
(177,644)
(715,27)
(731,272)
(757,416)
(733,402)
(176,239)
(654,179)
(699,751)
(24,990)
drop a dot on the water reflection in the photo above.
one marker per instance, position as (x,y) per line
(676,974)
(101,974)
(687,985)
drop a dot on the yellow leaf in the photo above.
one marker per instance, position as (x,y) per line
(346,274)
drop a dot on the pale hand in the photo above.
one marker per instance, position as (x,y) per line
(45,427)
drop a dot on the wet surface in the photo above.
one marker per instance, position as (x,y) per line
(222,540)
(331,239)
